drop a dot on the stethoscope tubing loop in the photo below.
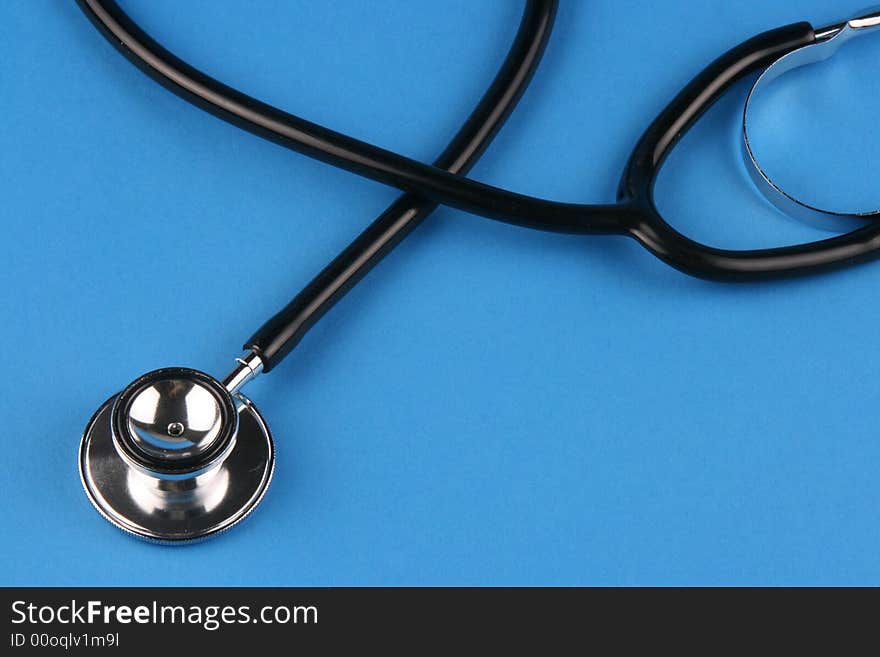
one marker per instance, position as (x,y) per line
(643,223)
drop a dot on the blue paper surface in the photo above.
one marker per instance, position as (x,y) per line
(491,405)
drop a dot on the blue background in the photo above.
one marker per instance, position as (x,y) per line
(491,405)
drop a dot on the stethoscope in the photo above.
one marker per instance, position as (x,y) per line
(179,455)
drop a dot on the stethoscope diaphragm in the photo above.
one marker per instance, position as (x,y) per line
(828,42)
(176,457)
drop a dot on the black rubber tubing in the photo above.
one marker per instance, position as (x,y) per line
(281,333)
(635,214)
(327,145)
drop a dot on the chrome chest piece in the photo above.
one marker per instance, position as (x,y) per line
(828,41)
(178,455)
